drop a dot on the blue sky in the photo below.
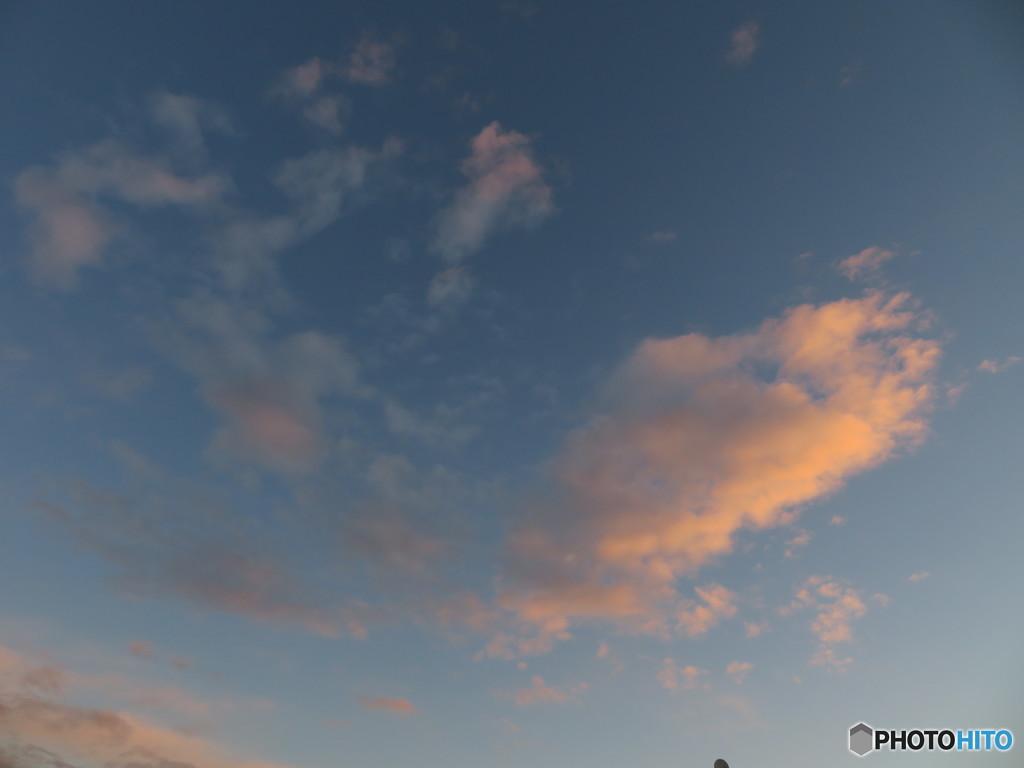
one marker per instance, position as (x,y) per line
(393,384)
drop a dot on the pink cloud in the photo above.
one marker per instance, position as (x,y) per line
(919,576)
(388,704)
(744,41)
(506,189)
(698,438)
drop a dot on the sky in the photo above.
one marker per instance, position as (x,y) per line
(390,384)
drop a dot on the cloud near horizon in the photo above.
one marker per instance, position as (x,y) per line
(700,438)
(40,726)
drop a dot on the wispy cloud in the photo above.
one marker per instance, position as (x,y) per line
(802,539)
(39,727)
(506,189)
(450,288)
(866,263)
(142,649)
(675,678)
(171,539)
(998,366)
(393,706)
(738,671)
(849,75)
(70,226)
(919,576)
(371,63)
(753,629)
(743,43)
(539,692)
(189,119)
(716,603)
(663,236)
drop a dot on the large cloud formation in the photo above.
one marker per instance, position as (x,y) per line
(699,438)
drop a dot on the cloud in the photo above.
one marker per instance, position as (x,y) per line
(663,236)
(697,438)
(802,539)
(370,63)
(305,79)
(270,394)
(400,525)
(995,366)
(450,288)
(388,704)
(751,629)
(919,576)
(849,75)
(738,670)
(70,227)
(695,619)
(183,540)
(837,608)
(743,43)
(506,189)
(330,113)
(540,692)
(837,520)
(675,678)
(189,118)
(37,727)
(866,263)
(142,649)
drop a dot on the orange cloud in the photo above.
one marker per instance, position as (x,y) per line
(996,366)
(698,438)
(387,704)
(837,607)
(865,263)
(675,678)
(35,723)
(738,670)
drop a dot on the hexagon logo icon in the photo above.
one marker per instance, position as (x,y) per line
(862,739)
